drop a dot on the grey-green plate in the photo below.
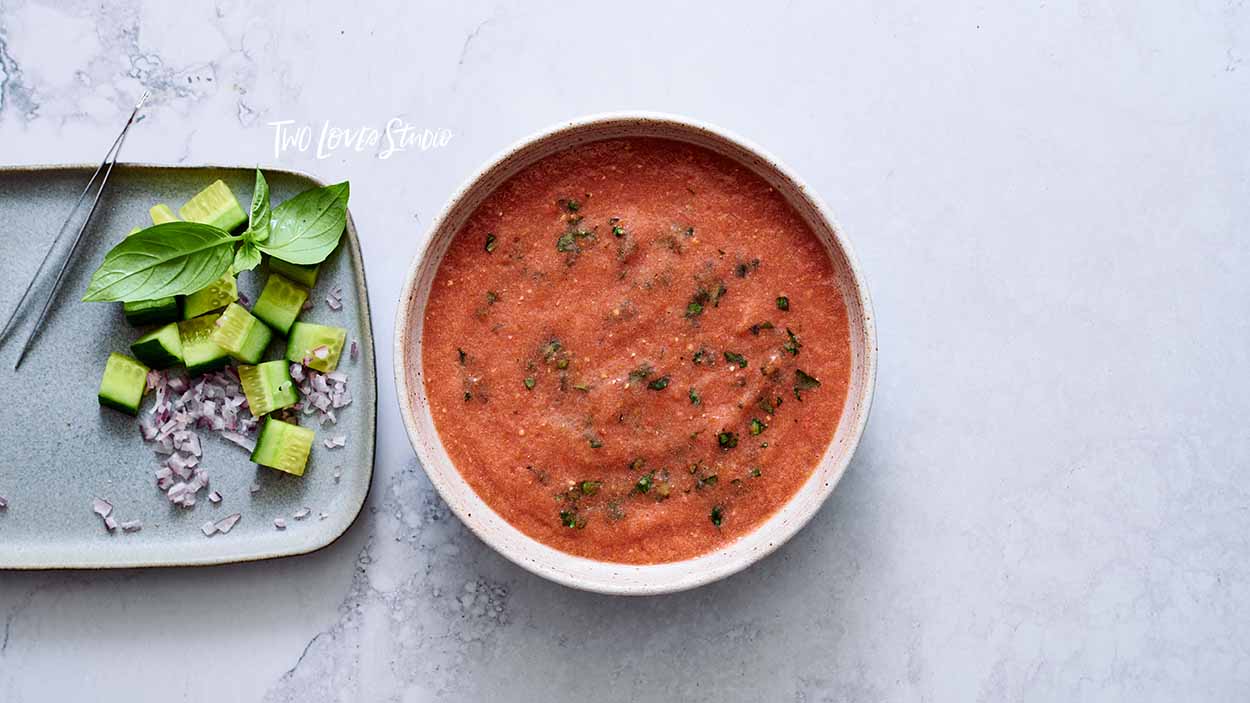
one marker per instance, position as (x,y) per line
(59,449)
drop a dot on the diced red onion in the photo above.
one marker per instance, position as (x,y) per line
(209,528)
(319,383)
(301,513)
(321,351)
(227,523)
(102,507)
(240,440)
(132,525)
(110,523)
(279,523)
(215,497)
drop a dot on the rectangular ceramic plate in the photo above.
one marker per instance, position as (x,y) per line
(59,449)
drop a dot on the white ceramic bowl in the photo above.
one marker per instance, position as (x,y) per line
(579,572)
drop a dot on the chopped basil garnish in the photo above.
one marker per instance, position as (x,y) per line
(701,298)
(757,426)
(644,483)
(803,382)
(735,358)
(568,241)
(491,297)
(755,472)
(618,231)
(792,345)
(572,205)
(755,329)
(717,515)
(721,290)
(783,303)
(589,488)
(490,243)
(659,384)
(727,439)
(583,387)
(695,398)
(641,373)
(529,382)
(551,350)
(706,481)
(595,442)
(460,353)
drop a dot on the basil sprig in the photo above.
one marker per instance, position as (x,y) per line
(307,228)
(177,258)
(174,258)
(248,255)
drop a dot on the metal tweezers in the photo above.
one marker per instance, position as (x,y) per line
(106,166)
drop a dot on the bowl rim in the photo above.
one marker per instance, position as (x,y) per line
(537,565)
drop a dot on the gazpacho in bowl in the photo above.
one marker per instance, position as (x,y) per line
(634,347)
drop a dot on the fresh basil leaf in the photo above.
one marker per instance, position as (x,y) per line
(174,258)
(307,228)
(246,258)
(258,221)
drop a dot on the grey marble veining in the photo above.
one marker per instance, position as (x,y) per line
(1050,204)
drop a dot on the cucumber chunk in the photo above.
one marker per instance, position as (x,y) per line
(152,312)
(303,274)
(283,446)
(160,349)
(162,213)
(216,296)
(242,336)
(199,352)
(216,206)
(268,386)
(316,346)
(123,383)
(280,303)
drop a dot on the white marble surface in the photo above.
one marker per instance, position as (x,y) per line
(1050,201)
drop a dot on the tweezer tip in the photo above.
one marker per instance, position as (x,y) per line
(143,99)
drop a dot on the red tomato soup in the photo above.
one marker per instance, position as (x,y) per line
(636,351)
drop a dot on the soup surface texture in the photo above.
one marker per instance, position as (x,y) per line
(636,351)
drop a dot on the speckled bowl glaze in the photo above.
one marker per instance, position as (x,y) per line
(609,577)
